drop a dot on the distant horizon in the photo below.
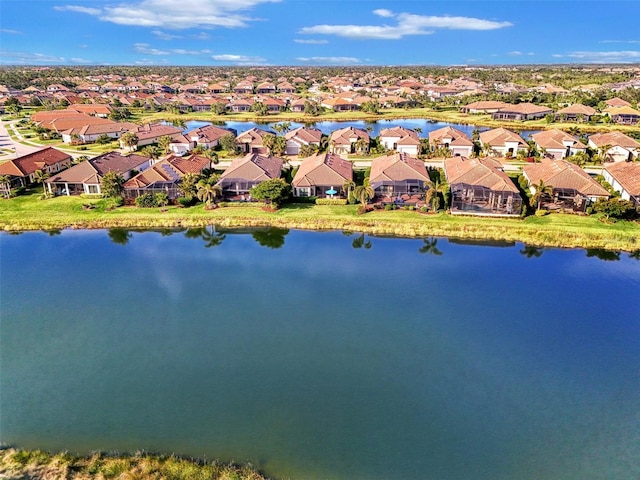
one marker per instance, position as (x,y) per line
(325,33)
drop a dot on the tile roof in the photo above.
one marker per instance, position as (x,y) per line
(484,172)
(397,167)
(169,170)
(27,164)
(499,136)
(305,135)
(577,109)
(458,138)
(628,175)
(323,169)
(614,139)
(525,108)
(348,135)
(555,139)
(563,174)
(254,167)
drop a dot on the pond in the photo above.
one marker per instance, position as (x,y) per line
(327,127)
(324,355)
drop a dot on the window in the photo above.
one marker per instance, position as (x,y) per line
(92,189)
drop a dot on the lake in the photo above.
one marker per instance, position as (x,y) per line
(324,355)
(327,127)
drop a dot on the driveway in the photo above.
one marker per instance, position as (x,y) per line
(16,149)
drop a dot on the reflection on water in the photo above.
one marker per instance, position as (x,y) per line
(399,359)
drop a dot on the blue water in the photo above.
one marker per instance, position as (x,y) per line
(328,127)
(315,359)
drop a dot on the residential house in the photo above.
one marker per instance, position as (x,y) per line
(266,88)
(557,144)
(101,110)
(400,139)
(165,176)
(251,141)
(349,140)
(243,88)
(86,177)
(286,87)
(210,135)
(456,141)
(181,145)
(301,136)
(22,170)
(624,177)
(521,111)
(322,175)
(90,133)
(479,186)
(239,105)
(151,133)
(502,142)
(246,172)
(298,104)
(398,175)
(485,106)
(623,115)
(274,105)
(576,113)
(573,188)
(617,146)
(616,102)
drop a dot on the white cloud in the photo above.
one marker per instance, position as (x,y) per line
(406,24)
(79,60)
(201,36)
(239,59)
(79,9)
(164,36)
(383,12)
(515,53)
(11,32)
(26,58)
(330,60)
(145,49)
(310,41)
(624,56)
(175,15)
(620,41)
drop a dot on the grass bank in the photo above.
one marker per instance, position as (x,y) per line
(554,230)
(36,464)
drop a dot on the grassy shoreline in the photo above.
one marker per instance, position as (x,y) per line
(553,230)
(18,464)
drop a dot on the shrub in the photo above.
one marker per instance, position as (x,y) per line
(146,200)
(390,206)
(424,209)
(541,213)
(362,209)
(331,201)
(186,202)
(16,192)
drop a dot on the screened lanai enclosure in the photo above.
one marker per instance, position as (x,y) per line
(479,200)
(567,199)
(402,187)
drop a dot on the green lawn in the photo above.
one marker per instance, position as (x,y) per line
(557,230)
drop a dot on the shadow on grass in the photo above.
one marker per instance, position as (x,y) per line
(297,206)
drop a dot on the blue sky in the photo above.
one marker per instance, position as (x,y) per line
(317,32)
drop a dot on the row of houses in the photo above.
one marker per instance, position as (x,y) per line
(618,110)
(479,186)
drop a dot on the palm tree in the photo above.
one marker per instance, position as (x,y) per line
(362,146)
(188,185)
(531,251)
(164,142)
(39,176)
(432,195)
(542,190)
(129,140)
(211,237)
(5,185)
(282,127)
(364,192)
(347,186)
(208,193)
(430,246)
(152,152)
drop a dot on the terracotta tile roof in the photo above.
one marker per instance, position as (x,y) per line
(210,133)
(38,160)
(623,110)
(405,136)
(326,169)
(555,139)
(525,109)
(253,136)
(254,167)
(154,130)
(486,105)
(458,138)
(83,172)
(169,170)
(563,174)
(91,108)
(398,167)
(348,135)
(577,109)
(499,136)
(613,139)
(617,102)
(484,172)
(628,175)
(305,135)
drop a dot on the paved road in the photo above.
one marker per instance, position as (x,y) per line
(17,149)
